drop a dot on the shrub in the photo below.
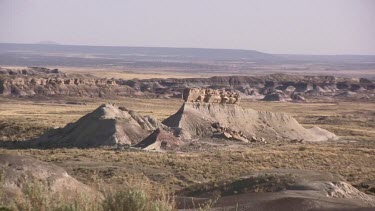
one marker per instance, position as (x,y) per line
(302,148)
(134,199)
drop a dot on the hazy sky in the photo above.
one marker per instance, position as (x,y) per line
(274,26)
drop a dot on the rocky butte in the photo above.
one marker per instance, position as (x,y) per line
(220,118)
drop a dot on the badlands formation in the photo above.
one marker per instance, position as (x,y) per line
(110,125)
(44,82)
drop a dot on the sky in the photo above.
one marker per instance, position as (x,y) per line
(271,26)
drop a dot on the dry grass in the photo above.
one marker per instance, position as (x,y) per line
(353,121)
(350,120)
(127,74)
(25,119)
(37,197)
(175,171)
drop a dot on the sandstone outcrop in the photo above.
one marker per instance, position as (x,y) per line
(210,96)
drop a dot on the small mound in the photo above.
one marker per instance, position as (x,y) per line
(197,120)
(20,173)
(160,140)
(108,125)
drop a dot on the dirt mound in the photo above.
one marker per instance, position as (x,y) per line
(160,140)
(22,173)
(108,125)
(284,189)
(195,120)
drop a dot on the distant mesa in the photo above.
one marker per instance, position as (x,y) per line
(47,43)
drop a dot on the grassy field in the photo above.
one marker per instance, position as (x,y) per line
(22,119)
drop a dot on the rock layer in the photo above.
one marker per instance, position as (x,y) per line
(210,96)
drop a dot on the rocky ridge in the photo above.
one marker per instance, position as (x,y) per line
(45,82)
(276,87)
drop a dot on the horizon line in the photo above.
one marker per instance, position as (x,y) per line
(168,47)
